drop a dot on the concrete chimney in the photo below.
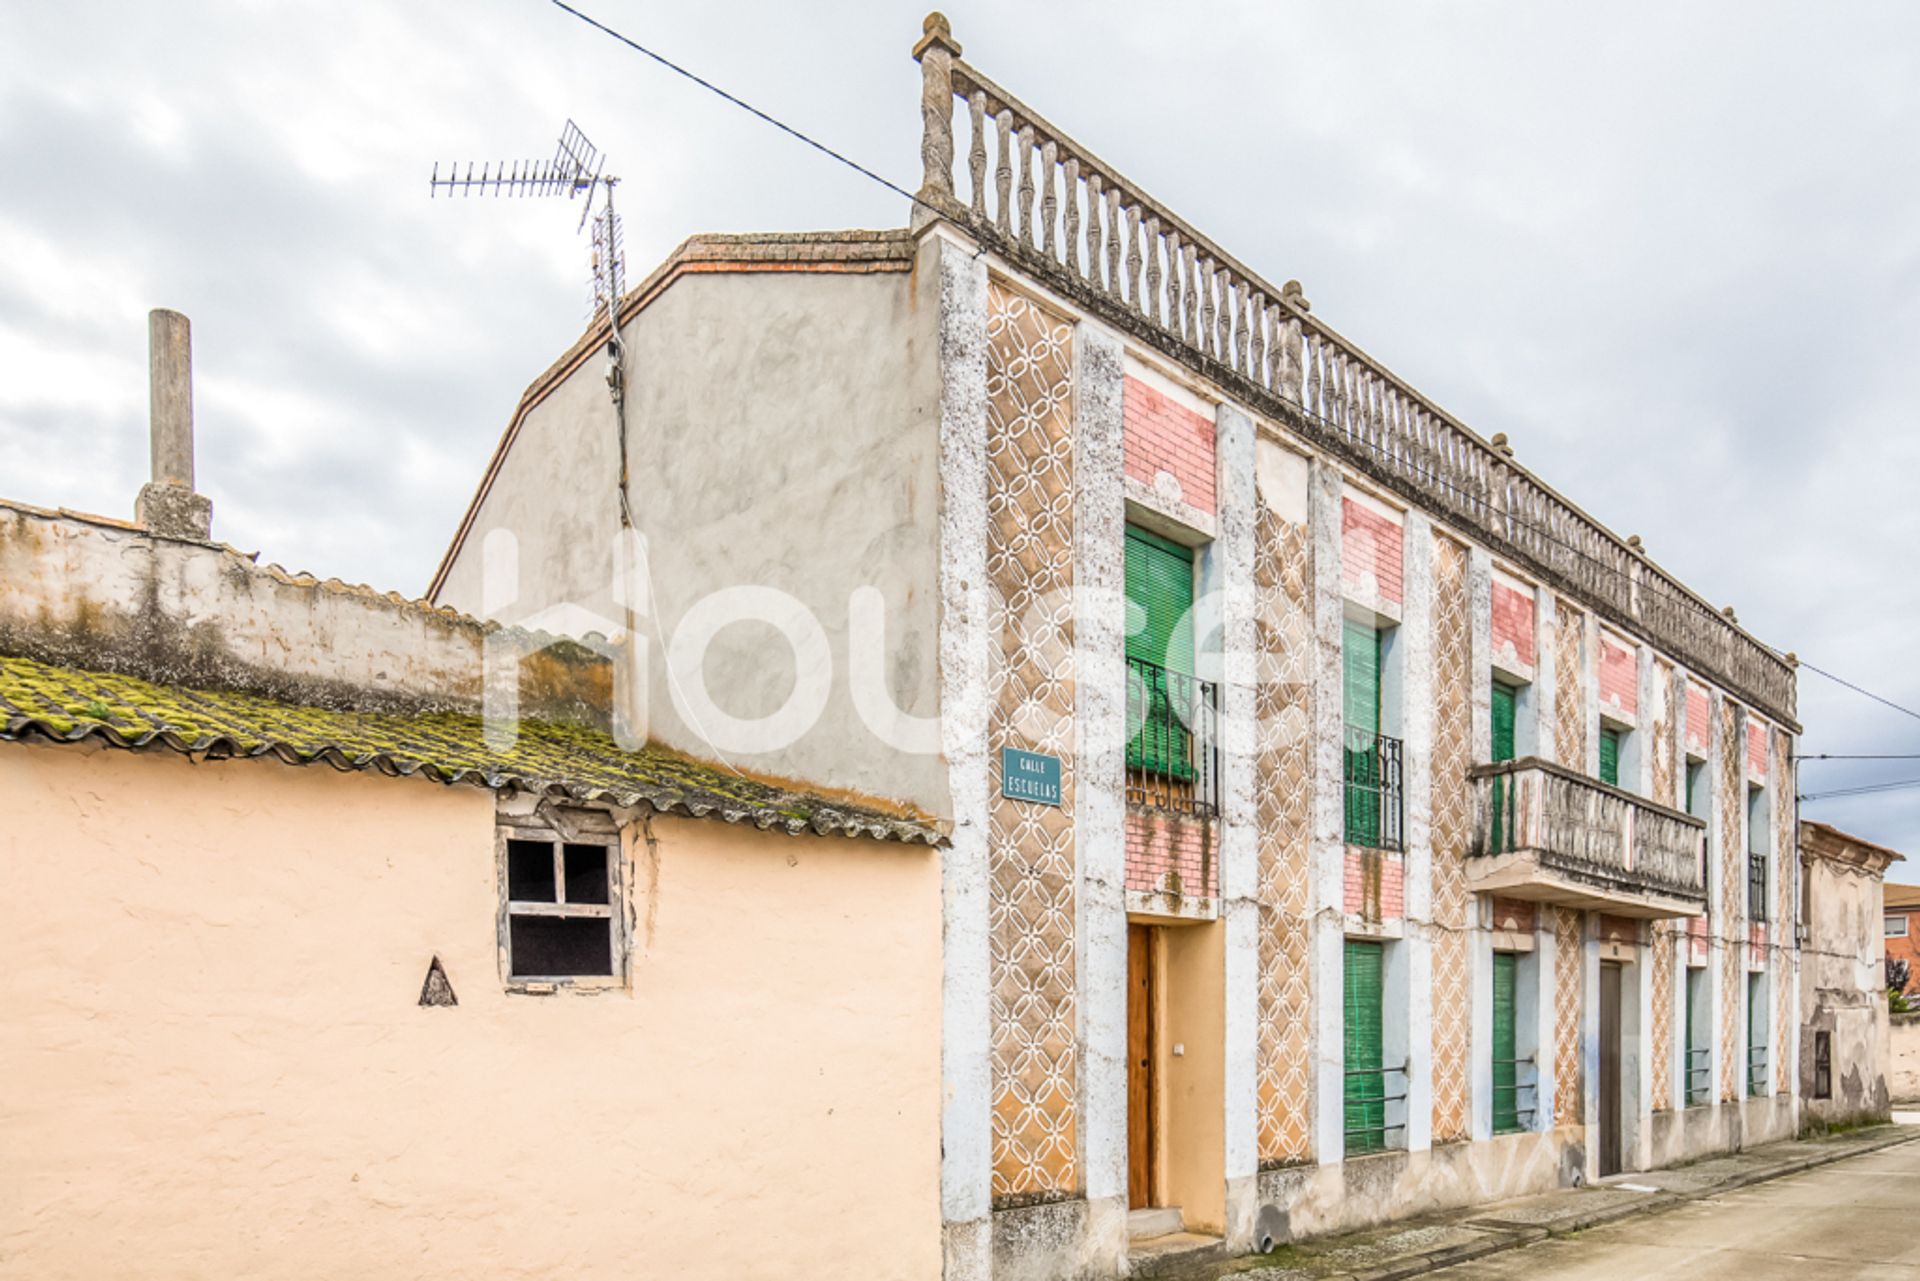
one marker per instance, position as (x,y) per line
(167,505)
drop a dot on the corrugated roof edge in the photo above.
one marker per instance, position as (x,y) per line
(790,812)
(891,250)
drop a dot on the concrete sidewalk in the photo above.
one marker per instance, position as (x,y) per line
(1419,1246)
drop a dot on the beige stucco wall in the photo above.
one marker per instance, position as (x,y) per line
(782,429)
(215,1065)
(1841,993)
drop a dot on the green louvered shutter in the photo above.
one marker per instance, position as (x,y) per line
(1756,1029)
(1610,756)
(1360,647)
(1505,707)
(1691,1097)
(1506,1102)
(1366,1109)
(1160,633)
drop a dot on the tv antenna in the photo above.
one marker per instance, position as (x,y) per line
(578,168)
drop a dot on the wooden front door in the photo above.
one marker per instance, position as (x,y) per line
(1140,1067)
(1609,1069)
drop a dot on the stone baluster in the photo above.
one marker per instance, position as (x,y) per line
(1025,142)
(1134,298)
(1113,243)
(1003,176)
(1292,368)
(1156,305)
(1049,201)
(1070,238)
(977,154)
(935,52)
(1096,212)
(1176,286)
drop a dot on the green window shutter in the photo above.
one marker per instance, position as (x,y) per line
(1159,576)
(1756,1036)
(1366,1109)
(1505,706)
(1506,1073)
(1160,585)
(1693,776)
(1360,646)
(1610,756)
(1692,1088)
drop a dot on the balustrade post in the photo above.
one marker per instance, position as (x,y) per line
(935,52)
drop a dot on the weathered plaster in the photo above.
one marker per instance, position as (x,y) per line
(1329,837)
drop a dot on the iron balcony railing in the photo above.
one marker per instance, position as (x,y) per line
(1370,1110)
(1580,825)
(1756,886)
(1516,1094)
(1699,1075)
(1373,790)
(1173,743)
(1756,1070)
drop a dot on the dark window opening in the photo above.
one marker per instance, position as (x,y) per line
(561,946)
(586,873)
(530,871)
(1822,1065)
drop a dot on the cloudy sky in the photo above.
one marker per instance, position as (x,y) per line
(1672,251)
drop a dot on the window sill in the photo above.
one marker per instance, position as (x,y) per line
(553,987)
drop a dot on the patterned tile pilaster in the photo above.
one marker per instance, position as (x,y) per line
(1731,808)
(1660,975)
(1030,847)
(1569,951)
(1283,581)
(1452,1009)
(1570,688)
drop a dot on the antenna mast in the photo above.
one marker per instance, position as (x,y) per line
(577,168)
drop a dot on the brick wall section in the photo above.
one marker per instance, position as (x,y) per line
(1907,947)
(1376,885)
(1513,623)
(1756,750)
(1696,940)
(1168,854)
(1619,677)
(1699,721)
(1514,915)
(1618,929)
(1370,549)
(1162,435)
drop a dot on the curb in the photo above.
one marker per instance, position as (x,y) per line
(1504,1237)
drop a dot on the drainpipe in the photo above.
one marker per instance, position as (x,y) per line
(168,506)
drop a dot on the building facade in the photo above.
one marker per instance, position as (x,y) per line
(1343,824)
(1901,930)
(1844,1054)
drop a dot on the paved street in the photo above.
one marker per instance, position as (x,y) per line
(1854,1218)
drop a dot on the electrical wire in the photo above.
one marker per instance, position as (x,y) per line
(1543,532)
(1865,789)
(745,106)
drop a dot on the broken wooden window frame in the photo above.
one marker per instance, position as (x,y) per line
(558,828)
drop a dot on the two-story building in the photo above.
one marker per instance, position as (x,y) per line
(1344,823)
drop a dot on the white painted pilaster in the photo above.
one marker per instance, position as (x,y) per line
(1546,627)
(1100,803)
(1229,582)
(966,1157)
(1479,911)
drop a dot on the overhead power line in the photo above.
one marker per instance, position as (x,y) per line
(1542,531)
(1865,789)
(741,103)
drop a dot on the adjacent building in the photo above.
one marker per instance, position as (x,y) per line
(1844,1051)
(1343,824)
(1901,928)
(344,938)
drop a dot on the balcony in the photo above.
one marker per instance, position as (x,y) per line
(1173,758)
(1545,833)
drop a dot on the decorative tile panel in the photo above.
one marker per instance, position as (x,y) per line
(1661,730)
(1452,801)
(1283,577)
(1568,952)
(1030,847)
(1569,689)
(1660,1043)
(1733,886)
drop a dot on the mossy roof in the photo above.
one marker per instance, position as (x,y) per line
(545,757)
